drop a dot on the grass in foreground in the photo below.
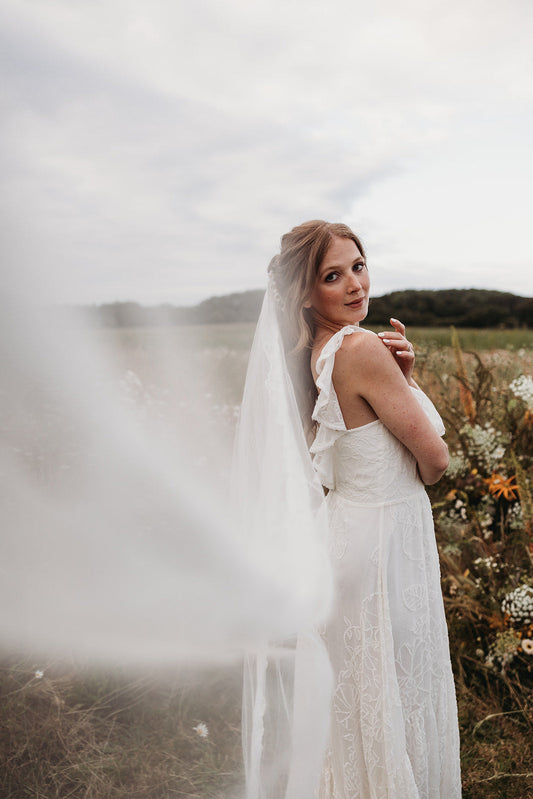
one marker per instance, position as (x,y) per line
(78,733)
(108,735)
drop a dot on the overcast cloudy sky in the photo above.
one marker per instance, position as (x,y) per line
(156,151)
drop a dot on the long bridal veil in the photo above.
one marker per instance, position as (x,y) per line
(115,550)
(117,544)
(281,510)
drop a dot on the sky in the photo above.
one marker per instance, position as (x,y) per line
(156,152)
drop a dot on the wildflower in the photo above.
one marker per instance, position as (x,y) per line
(489,564)
(39,674)
(485,444)
(499,486)
(503,650)
(522,387)
(515,516)
(527,646)
(456,468)
(518,605)
(201,730)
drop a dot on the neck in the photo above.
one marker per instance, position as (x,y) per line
(324,325)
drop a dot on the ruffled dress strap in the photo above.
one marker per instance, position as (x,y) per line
(327,412)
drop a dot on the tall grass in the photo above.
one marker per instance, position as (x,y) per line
(484,526)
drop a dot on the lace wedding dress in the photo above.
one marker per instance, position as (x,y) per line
(394,732)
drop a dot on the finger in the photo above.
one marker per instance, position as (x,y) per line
(391,335)
(399,344)
(397,325)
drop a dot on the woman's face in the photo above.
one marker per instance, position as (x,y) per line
(342,285)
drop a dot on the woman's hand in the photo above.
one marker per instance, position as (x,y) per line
(401,348)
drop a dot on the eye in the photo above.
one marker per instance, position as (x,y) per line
(359,267)
(330,277)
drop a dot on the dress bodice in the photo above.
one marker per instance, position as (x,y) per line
(366,464)
(370,466)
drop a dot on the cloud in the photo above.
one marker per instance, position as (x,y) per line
(159,153)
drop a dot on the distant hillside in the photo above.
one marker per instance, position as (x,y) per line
(459,307)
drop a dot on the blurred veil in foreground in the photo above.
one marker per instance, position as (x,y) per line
(119,540)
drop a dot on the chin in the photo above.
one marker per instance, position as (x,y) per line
(358,316)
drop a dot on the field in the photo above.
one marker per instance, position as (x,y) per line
(72,731)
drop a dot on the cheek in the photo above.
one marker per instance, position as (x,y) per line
(326,296)
(330,294)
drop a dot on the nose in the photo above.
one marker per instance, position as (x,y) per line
(355,282)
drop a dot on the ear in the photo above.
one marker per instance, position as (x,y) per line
(308,304)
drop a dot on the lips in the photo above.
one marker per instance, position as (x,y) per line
(355,303)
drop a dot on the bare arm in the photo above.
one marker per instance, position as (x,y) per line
(365,367)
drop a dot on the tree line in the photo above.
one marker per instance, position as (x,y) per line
(474,308)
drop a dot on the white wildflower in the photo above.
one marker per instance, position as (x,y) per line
(486,444)
(201,730)
(458,511)
(527,646)
(39,674)
(457,466)
(515,516)
(522,387)
(503,650)
(489,564)
(518,604)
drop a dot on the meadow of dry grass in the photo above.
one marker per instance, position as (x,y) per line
(67,730)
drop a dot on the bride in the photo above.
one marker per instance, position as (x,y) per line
(389,730)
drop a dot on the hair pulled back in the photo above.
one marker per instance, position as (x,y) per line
(294,272)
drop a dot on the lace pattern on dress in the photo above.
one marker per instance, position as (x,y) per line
(394,728)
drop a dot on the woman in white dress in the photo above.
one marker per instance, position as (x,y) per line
(377,440)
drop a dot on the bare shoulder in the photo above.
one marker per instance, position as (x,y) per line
(360,341)
(360,350)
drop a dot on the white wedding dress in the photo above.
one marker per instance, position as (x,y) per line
(394,731)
